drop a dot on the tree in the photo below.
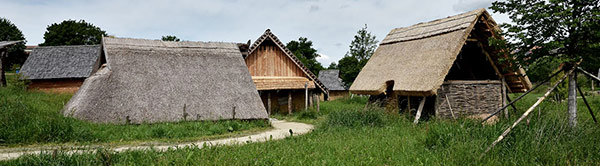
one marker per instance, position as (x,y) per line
(363,45)
(303,50)
(564,30)
(361,49)
(170,38)
(10,32)
(332,65)
(349,69)
(71,32)
(15,54)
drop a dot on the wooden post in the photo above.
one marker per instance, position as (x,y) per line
(289,102)
(318,107)
(269,102)
(450,106)
(306,96)
(525,114)
(572,100)
(504,97)
(3,63)
(408,105)
(420,110)
(587,104)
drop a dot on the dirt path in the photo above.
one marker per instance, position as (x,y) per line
(280,131)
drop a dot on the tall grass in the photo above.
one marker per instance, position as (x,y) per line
(373,137)
(35,118)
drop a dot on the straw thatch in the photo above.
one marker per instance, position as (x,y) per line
(8,43)
(331,79)
(147,81)
(54,62)
(269,36)
(416,59)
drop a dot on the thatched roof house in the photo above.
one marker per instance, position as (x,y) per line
(332,81)
(280,76)
(61,68)
(420,60)
(148,81)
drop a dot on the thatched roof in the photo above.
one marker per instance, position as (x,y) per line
(147,81)
(53,62)
(331,79)
(268,35)
(416,59)
(8,43)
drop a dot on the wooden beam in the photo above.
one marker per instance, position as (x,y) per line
(306,96)
(289,102)
(420,110)
(587,104)
(588,74)
(472,40)
(504,97)
(526,113)
(490,60)
(269,102)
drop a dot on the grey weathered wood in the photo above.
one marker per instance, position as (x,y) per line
(306,96)
(526,113)
(289,102)
(3,63)
(450,107)
(588,74)
(318,107)
(269,102)
(572,100)
(419,110)
(504,97)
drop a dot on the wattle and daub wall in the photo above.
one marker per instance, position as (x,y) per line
(468,98)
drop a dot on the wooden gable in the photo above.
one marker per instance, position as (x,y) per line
(269,60)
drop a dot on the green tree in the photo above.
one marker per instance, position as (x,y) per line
(563,30)
(71,32)
(363,45)
(303,50)
(332,65)
(10,32)
(170,38)
(349,68)
(361,49)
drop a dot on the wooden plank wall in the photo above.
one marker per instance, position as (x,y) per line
(269,60)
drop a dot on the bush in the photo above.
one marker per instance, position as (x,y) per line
(355,118)
(309,114)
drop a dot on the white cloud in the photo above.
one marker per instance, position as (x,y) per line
(324,59)
(330,24)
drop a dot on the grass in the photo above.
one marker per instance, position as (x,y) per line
(34,118)
(352,136)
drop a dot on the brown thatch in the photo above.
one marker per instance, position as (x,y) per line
(8,43)
(147,81)
(416,59)
(54,62)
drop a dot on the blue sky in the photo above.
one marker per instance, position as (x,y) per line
(330,24)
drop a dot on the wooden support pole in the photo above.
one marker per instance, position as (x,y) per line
(450,106)
(421,105)
(587,104)
(520,97)
(3,53)
(306,96)
(512,105)
(269,102)
(408,106)
(504,97)
(588,74)
(572,100)
(318,101)
(289,102)
(526,113)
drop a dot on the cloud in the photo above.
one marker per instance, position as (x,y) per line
(468,5)
(331,25)
(324,59)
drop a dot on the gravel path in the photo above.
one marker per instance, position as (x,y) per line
(281,130)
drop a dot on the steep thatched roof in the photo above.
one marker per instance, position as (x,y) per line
(268,35)
(53,62)
(331,79)
(8,43)
(416,59)
(147,81)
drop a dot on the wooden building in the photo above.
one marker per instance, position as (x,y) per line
(61,69)
(284,83)
(445,67)
(332,81)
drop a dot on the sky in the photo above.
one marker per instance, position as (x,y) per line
(329,24)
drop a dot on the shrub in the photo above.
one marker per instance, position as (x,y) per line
(355,118)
